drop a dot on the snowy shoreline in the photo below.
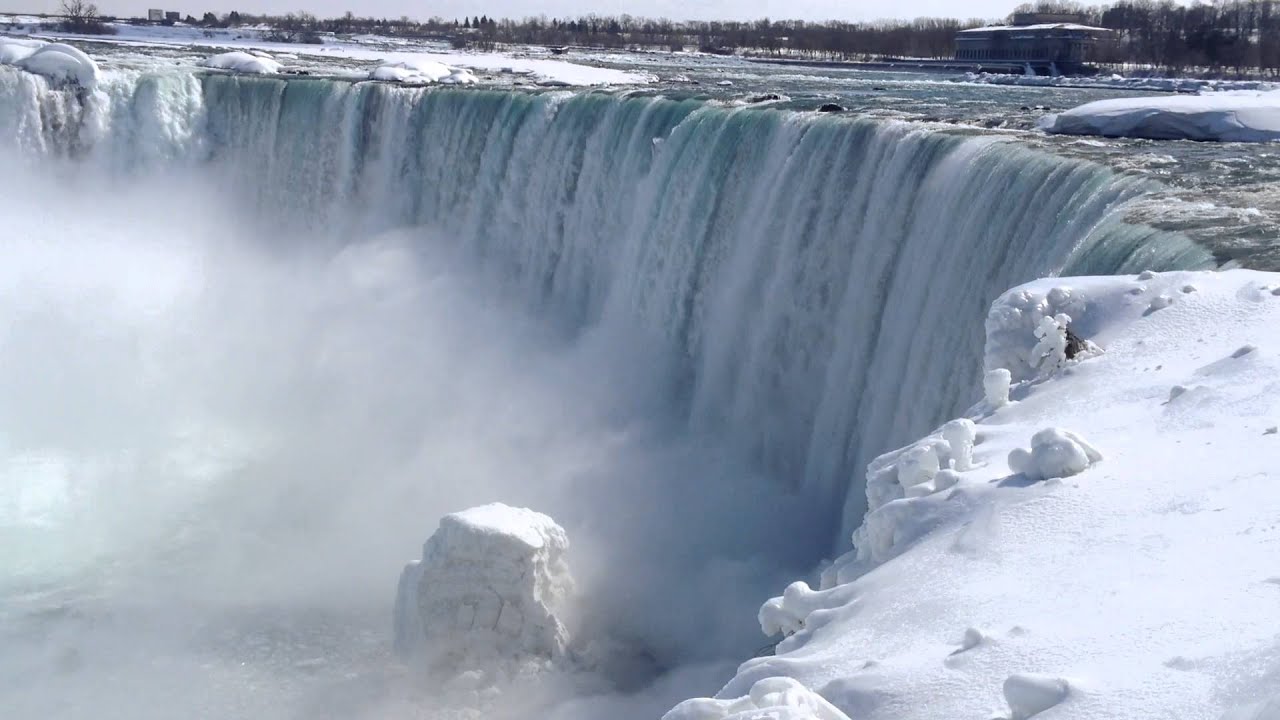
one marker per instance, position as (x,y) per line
(1095,589)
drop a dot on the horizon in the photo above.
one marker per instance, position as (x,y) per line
(701,11)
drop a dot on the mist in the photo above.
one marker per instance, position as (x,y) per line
(220,441)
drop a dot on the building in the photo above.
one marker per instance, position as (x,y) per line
(172,16)
(155,15)
(1046,43)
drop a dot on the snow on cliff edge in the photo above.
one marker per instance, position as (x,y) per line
(1236,116)
(1140,579)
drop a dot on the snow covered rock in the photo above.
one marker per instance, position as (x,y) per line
(1054,453)
(243,62)
(777,698)
(995,385)
(489,591)
(56,61)
(1234,116)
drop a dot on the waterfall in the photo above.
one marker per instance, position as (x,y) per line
(819,281)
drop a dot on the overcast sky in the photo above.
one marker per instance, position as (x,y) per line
(676,9)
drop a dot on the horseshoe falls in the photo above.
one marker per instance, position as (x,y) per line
(262,334)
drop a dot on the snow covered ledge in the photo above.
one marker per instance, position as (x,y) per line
(485,603)
(1101,544)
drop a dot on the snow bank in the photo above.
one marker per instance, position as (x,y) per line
(56,61)
(1238,116)
(243,62)
(1140,586)
(487,594)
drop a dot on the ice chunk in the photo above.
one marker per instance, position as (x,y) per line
(242,62)
(491,587)
(776,698)
(1029,694)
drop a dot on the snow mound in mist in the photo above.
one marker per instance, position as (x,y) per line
(777,698)
(488,592)
(242,62)
(975,590)
(1235,116)
(56,61)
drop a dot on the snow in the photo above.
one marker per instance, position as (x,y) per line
(360,52)
(422,72)
(1234,116)
(56,61)
(770,699)
(243,62)
(14,49)
(487,595)
(1059,583)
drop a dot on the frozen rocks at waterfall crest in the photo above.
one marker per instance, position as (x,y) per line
(487,602)
(58,62)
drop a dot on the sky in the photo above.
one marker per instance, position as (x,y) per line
(675,9)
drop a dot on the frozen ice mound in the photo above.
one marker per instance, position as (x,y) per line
(243,62)
(14,49)
(489,591)
(1234,116)
(56,61)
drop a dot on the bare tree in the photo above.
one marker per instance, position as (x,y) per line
(82,17)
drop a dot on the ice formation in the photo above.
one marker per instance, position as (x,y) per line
(1231,116)
(14,49)
(421,71)
(489,593)
(995,385)
(243,62)
(59,62)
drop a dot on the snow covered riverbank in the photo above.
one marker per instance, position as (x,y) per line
(1142,584)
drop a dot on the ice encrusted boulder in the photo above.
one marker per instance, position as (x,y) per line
(489,591)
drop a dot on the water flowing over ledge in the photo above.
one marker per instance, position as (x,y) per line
(820,282)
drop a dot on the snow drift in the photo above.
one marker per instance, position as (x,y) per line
(1230,116)
(422,72)
(1099,592)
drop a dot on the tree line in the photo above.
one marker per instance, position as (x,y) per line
(1240,37)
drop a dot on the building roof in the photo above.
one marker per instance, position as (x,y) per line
(1044,26)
